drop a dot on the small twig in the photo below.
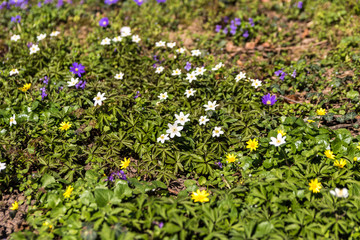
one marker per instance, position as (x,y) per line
(226,182)
(289,99)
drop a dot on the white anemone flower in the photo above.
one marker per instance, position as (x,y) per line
(174,130)
(99,99)
(279,140)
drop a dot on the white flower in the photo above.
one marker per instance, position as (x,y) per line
(279,140)
(189,92)
(217,67)
(210,106)
(176,72)
(14,71)
(159,69)
(136,38)
(195,53)
(256,83)
(119,75)
(180,50)
(163,96)
(41,36)
(181,118)
(200,71)
(171,45)
(2,166)
(105,41)
(34,48)
(99,98)
(240,76)
(191,76)
(15,38)
(203,120)
(125,31)
(54,33)
(117,39)
(73,82)
(217,132)
(163,138)
(341,193)
(12,120)
(160,44)
(174,130)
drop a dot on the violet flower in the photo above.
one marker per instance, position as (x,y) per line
(246,34)
(139,2)
(226,19)
(278,72)
(43,93)
(251,21)
(237,21)
(16,19)
(225,31)
(104,22)
(268,99)
(137,95)
(217,28)
(282,77)
(77,68)
(161,1)
(110,2)
(219,164)
(300,5)
(187,66)
(294,74)
(45,80)
(3,5)
(60,3)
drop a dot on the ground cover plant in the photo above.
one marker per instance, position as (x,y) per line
(166,119)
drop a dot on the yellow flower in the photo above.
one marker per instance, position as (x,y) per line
(124,164)
(340,164)
(200,196)
(315,186)
(310,121)
(252,144)
(68,192)
(329,154)
(355,159)
(231,158)
(65,126)
(25,87)
(358,147)
(282,132)
(321,112)
(47,224)
(15,206)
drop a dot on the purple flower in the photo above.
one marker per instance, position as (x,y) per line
(123,176)
(81,84)
(17,3)
(187,66)
(104,22)
(278,72)
(268,99)
(110,2)
(155,57)
(43,93)
(29,44)
(251,21)
(226,19)
(294,74)
(137,95)
(161,1)
(3,5)
(47,1)
(77,68)
(219,164)
(233,31)
(225,31)
(161,224)
(120,175)
(16,19)
(39,4)
(217,28)
(300,5)
(139,2)
(237,21)
(282,77)
(154,65)
(246,34)
(45,80)
(60,3)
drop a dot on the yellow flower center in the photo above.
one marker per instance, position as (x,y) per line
(76,69)
(98,98)
(268,102)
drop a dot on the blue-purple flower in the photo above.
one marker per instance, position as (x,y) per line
(300,5)
(104,22)
(251,21)
(3,5)
(77,68)
(81,84)
(139,2)
(219,164)
(269,99)
(294,74)
(237,21)
(120,174)
(137,95)
(110,2)
(161,1)
(246,34)
(16,19)
(187,66)
(43,93)
(217,28)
